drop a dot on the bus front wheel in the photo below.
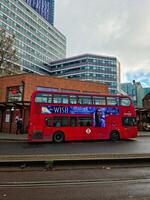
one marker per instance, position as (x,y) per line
(114,136)
(58,137)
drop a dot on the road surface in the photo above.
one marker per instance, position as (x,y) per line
(99,182)
(138,145)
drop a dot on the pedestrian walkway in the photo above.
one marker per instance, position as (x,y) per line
(23,137)
(7,136)
(143,133)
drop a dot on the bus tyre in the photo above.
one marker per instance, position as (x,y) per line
(58,137)
(114,136)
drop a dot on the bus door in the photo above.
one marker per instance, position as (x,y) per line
(48,127)
(130,128)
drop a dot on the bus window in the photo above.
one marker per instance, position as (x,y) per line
(41,98)
(129,121)
(73,121)
(60,121)
(48,121)
(85,121)
(80,99)
(84,100)
(99,100)
(124,101)
(64,121)
(56,98)
(114,101)
(87,100)
(64,99)
(49,98)
(57,122)
(73,99)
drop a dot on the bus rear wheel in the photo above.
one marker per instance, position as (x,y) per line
(58,137)
(114,136)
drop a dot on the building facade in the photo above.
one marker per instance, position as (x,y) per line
(146,91)
(16,92)
(136,92)
(37,41)
(141,99)
(44,7)
(89,67)
(143,114)
(129,89)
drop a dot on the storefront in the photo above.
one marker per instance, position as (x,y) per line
(143,114)
(143,119)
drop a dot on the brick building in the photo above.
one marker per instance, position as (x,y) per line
(15,93)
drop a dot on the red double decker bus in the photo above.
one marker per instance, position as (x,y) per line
(60,116)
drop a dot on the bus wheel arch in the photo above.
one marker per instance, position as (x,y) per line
(58,137)
(115,135)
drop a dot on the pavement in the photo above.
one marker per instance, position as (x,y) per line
(15,137)
(23,137)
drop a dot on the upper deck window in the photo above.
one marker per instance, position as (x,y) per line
(99,100)
(58,98)
(125,101)
(73,99)
(80,99)
(43,98)
(87,100)
(64,99)
(113,101)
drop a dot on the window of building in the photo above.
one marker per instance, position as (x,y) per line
(14,93)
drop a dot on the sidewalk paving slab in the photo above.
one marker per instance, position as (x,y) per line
(7,136)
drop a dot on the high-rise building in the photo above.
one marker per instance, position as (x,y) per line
(89,67)
(44,7)
(135,91)
(37,41)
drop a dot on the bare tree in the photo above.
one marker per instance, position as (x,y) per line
(8,54)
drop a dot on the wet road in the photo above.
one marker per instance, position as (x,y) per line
(138,145)
(94,183)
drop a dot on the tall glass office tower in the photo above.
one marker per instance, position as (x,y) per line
(37,41)
(44,7)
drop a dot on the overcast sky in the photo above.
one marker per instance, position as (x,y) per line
(119,28)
